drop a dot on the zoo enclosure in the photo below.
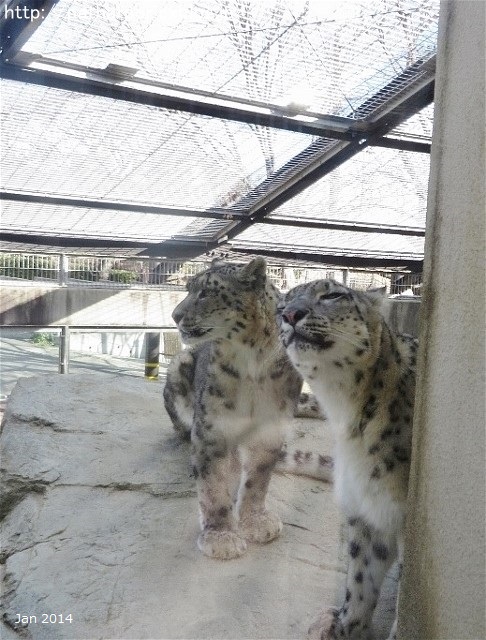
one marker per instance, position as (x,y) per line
(289,129)
(138,145)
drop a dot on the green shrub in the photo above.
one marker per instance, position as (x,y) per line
(84,274)
(43,339)
(122,276)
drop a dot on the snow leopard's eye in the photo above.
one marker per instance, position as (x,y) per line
(331,295)
(202,294)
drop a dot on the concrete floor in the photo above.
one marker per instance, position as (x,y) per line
(107,523)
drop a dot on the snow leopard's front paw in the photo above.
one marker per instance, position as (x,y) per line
(221,544)
(260,526)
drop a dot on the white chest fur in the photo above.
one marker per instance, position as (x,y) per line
(254,404)
(358,493)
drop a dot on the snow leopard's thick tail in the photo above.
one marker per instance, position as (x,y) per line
(305,463)
(179,392)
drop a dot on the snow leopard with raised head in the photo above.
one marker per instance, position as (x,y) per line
(363,375)
(233,392)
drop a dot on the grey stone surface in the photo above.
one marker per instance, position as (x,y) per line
(101,523)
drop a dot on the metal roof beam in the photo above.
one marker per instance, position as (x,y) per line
(401,145)
(411,99)
(168,249)
(345,225)
(68,201)
(175,251)
(195,247)
(36,69)
(185,98)
(331,259)
(220,214)
(91,83)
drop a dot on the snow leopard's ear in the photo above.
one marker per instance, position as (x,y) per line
(376,296)
(254,274)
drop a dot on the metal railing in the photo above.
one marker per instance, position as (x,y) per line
(88,271)
(63,270)
(160,345)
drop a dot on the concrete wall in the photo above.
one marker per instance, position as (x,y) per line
(47,306)
(403,315)
(443,590)
(42,307)
(51,307)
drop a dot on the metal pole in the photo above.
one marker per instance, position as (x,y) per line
(64,350)
(63,269)
(152,351)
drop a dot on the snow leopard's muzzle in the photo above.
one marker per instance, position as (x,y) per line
(189,329)
(300,326)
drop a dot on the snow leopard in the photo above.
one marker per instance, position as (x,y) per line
(363,376)
(233,392)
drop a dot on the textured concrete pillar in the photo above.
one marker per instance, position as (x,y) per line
(443,590)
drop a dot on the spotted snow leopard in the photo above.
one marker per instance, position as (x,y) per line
(232,392)
(363,375)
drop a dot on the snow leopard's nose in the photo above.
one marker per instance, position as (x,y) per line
(292,315)
(177,315)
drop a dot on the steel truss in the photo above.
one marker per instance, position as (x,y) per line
(340,139)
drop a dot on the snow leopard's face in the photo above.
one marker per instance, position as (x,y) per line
(221,301)
(324,317)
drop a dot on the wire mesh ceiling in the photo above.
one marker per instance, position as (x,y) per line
(365,188)
(330,55)
(220,182)
(108,149)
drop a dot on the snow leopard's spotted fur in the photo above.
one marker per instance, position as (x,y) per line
(233,392)
(363,375)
